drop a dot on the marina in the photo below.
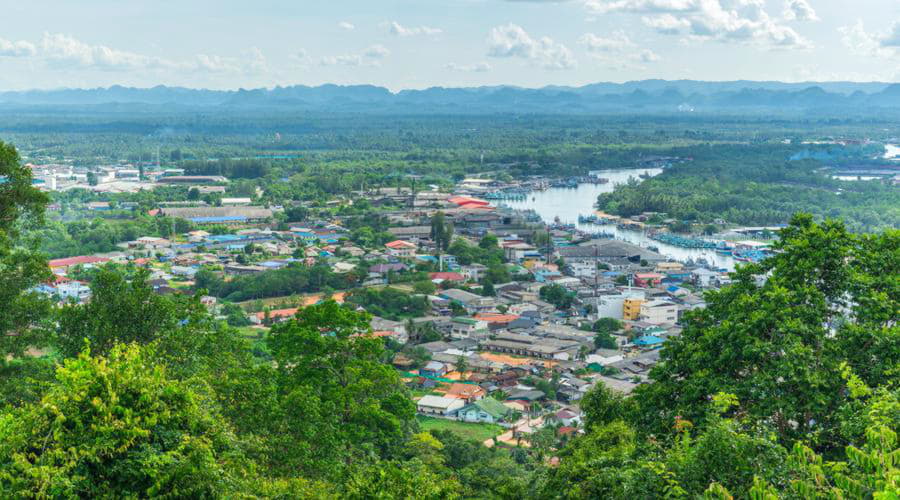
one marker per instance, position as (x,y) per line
(565,206)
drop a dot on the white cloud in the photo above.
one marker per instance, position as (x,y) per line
(799,10)
(513,41)
(618,42)
(251,62)
(371,56)
(470,68)
(722,20)
(667,23)
(892,39)
(617,49)
(863,43)
(344,25)
(400,30)
(63,50)
(21,48)
(640,6)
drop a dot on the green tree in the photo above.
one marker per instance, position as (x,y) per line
(556,295)
(767,340)
(117,427)
(21,267)
(342,403)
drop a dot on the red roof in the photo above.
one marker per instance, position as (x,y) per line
(447,276)
(495,317)
(465,200)
(399,244)
(74,261)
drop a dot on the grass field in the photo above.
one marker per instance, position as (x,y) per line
(475,432)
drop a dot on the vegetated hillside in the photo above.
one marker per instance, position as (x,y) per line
(755,185)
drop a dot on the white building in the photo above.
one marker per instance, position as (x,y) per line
(658,312)
(439,406)
(612,306)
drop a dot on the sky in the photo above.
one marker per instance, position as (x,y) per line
(401,44)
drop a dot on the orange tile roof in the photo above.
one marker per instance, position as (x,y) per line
(496,318)
(464,391)
(74,261)
(398,244)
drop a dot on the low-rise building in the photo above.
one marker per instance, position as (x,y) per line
(658,312)
(438,406)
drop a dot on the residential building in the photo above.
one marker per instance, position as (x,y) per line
(438,406)
(461,327)
(486,410)
(631,308)
(401,249)
(471,302)
(467,392)
(658,312)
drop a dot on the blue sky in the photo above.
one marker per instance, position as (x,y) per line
(421,43)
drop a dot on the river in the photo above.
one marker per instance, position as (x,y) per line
(568,204)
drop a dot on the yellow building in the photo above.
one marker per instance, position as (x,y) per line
(665,267)
(631,309)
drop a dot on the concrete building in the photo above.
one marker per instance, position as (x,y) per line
(658,312)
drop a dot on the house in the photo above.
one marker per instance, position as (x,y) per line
(411,233)
(438,406)
(648,341)
(568,418)
(461,327)
(447,276)
(497,321)
(517,251)
(73,290)
(184,271)
(401,249)
(648,279)
(433,369)
(467,392)
(657,312)
(471,302)
(486,410)
(65,264)
(704,277)
(535,347)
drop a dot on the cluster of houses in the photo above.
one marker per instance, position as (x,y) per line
(507,357)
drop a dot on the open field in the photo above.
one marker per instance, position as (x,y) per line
(475,432)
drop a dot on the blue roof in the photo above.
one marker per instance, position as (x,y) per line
(648,340)
(224,237)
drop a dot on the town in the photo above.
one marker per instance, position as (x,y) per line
(498,322)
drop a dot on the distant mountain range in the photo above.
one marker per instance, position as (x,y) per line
(637,96)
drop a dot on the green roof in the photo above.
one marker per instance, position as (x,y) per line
(492,407)
(467,321)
